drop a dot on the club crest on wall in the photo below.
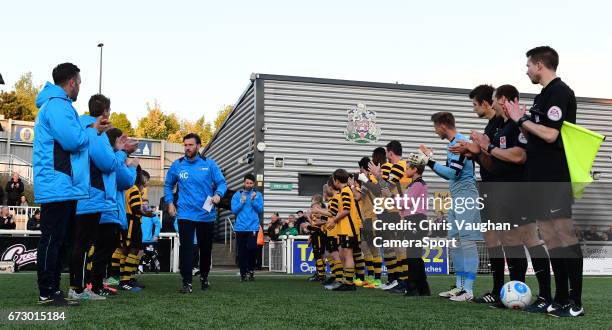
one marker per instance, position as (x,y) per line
(361,125)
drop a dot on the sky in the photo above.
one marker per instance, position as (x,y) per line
(194,57)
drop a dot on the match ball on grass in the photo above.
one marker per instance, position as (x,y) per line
(515,295)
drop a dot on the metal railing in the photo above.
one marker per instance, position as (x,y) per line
(21,215)
(10,163)
(227,233)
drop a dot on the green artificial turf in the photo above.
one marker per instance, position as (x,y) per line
(290,302)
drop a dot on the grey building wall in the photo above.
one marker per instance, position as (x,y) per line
(306,117)
(232,144)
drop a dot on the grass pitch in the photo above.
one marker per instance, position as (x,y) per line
(290,302)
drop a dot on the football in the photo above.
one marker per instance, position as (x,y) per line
(515,295)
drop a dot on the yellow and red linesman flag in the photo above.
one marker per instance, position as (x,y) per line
(581,146)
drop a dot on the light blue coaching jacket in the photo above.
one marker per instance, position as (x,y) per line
(147,225)
(126,177)
(103,162)
(60,159)
(197,179)
(247,214)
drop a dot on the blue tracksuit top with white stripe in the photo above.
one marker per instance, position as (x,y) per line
(247,213)
(104,161)
(197,179)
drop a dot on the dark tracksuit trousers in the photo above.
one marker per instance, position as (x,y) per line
(204,234)
(85,231)
(247,251)
(56,221)
(107,241)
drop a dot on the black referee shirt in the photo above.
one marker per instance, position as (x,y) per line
(493,126)
(508,136)
(546,161)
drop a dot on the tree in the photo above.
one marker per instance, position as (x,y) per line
(201,127)
(221,116)
(120,120)
(20,104)
(172,123)
(156,125)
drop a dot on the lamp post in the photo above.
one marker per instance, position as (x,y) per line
(101,45)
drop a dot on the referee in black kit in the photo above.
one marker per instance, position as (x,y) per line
(550,201)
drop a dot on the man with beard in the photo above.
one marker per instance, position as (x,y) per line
(550,201)
(201,185)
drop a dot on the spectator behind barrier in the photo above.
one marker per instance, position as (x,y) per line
(302,223)
(592,234)
(6,219)
(275,227)
(14,190)
(34,221)
(289,228)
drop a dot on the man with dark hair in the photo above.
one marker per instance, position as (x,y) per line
(544,55)
(99,105)
(201,186)
(104,161)
(67,75)
(443,121)
(61,174)
(301,223)
(247,205)
(550,200)
(482,100)
(502,157)
(459,171)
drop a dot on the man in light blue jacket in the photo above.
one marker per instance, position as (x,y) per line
(61,175)
(112,224)
(247,205)
(104,161)
(201,186)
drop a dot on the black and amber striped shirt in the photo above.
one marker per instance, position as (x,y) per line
(352,222)
(394,173)
(133,204)
(332,207)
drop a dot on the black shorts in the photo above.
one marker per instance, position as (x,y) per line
(504,203)
(348,242)
(317,241)
(331,244)
(549,200)
(132,237)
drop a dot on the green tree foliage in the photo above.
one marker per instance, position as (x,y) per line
(222,115)
(20,104)
(120,120)
(156,124)
(200,127)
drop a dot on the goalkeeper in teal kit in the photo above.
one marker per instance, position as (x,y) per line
(459,171)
